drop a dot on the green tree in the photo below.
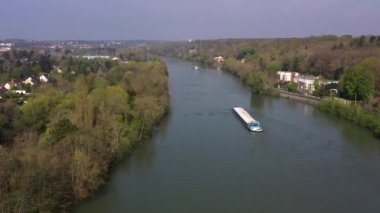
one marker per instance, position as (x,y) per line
(292,87)
(60,129)
(246,51)
(357,83)
(256,81)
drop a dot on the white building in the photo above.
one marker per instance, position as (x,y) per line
(91,57)
(8,86)
(6,45)
(21,92)
(306,83)
(4,49)
(43,78)
(29,80)
(219,59)
(286,76)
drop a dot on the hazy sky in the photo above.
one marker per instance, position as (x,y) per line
(184,19)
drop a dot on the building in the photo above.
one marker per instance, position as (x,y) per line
(327,82)
(21,92)
(31,81)
(286,76)
(8,86)
(91,57)
(306,83)
(43,78)
(4,49)
(6,45)
(219,59)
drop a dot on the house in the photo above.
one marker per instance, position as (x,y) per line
(286,76)
(16,83)
(31,81)
(12,84)
(219,59)
(193,52)
(43,78)
(4,49)
(57,68)
(306,83)
(8,86)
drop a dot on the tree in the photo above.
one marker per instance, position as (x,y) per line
(292,87)
(81,91)
(357,83)
(256,81)
(60,129)
(246,51)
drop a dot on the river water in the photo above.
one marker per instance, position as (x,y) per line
(202,159)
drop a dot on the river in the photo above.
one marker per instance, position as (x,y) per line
(202,159)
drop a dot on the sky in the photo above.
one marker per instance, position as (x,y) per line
(185,19)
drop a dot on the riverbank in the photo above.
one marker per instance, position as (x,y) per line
(300,97)
(352,113)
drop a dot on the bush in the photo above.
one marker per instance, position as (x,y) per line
(256,81)
(292,87)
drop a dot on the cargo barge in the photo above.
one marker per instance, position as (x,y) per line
(247,120)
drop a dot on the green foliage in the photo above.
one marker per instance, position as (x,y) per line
(352,113)
(256,81)
(246,51)
(37,112)
(292,87)
(357,82)
(63,140)
(60,129)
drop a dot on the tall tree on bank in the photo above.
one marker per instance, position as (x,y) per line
(357,83)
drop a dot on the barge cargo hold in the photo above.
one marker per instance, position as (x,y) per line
(248,121)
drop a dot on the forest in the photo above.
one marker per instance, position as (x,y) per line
(57,147)
(256,61)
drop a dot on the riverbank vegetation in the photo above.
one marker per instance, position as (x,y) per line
(353,113)
(329,57)
(57,147)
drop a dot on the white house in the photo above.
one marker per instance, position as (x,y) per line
(286,76)
(4,49)
(29,80)
(219,59)
(306,83)
(8,86)
(43,78)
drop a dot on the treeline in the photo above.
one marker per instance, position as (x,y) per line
(327,56)
(57,148)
